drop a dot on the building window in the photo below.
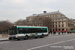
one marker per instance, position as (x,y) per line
(62,22)
(56,26)
(53,26)
(66,25)
(53,22)
(62,25)
(59,29)
(56,29)
(62,29)
(53,29)
(59,25)
(66,29)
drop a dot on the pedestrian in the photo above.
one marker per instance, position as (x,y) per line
(67,32)
(70,32)
(62,32)
(51,32)
(59,33)
(54,32)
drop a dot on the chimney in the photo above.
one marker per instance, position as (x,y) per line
(44,12)
(34,14)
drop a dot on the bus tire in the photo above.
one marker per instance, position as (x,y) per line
(18,39)
(10,38)
(26,37)
(42,36)
(36,37)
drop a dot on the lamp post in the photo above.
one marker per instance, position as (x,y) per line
(40,20)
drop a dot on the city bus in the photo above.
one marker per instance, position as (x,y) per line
(25,32)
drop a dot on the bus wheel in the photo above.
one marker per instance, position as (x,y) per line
(42,36)
(18,38)
(10,38)
(26,37)
(36,37)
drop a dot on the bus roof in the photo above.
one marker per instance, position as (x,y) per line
(30,27)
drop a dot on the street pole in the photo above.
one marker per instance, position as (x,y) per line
(40,21)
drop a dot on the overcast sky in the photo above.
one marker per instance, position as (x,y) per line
(14,10)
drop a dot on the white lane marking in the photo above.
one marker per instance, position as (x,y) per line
(50,44)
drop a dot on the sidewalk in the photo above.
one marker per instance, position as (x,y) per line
(3,39)
(58,34)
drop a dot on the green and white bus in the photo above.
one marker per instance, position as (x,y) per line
(24,32)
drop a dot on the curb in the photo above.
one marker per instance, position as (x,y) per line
(4,39)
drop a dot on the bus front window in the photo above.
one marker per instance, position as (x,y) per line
(12,31)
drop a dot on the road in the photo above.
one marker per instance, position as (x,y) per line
(59,42)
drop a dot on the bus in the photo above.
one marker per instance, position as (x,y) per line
(25,32)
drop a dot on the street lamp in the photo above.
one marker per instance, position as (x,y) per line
(40,20)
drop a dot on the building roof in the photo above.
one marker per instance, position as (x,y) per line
(56,12)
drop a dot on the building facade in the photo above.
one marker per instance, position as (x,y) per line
(40,21)
(60,21)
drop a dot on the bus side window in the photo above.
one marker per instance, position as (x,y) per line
(44,30)
(20,30)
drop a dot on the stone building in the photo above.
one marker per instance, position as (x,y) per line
(60,21)
(39,20)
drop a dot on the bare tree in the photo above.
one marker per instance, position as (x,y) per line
(4,25)
(41,21)
(20,22)
(47,21)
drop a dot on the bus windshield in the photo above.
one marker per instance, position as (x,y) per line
(12,31)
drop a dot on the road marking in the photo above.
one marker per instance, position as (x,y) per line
(50,44)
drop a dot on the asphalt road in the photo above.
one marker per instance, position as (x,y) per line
(59,42)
